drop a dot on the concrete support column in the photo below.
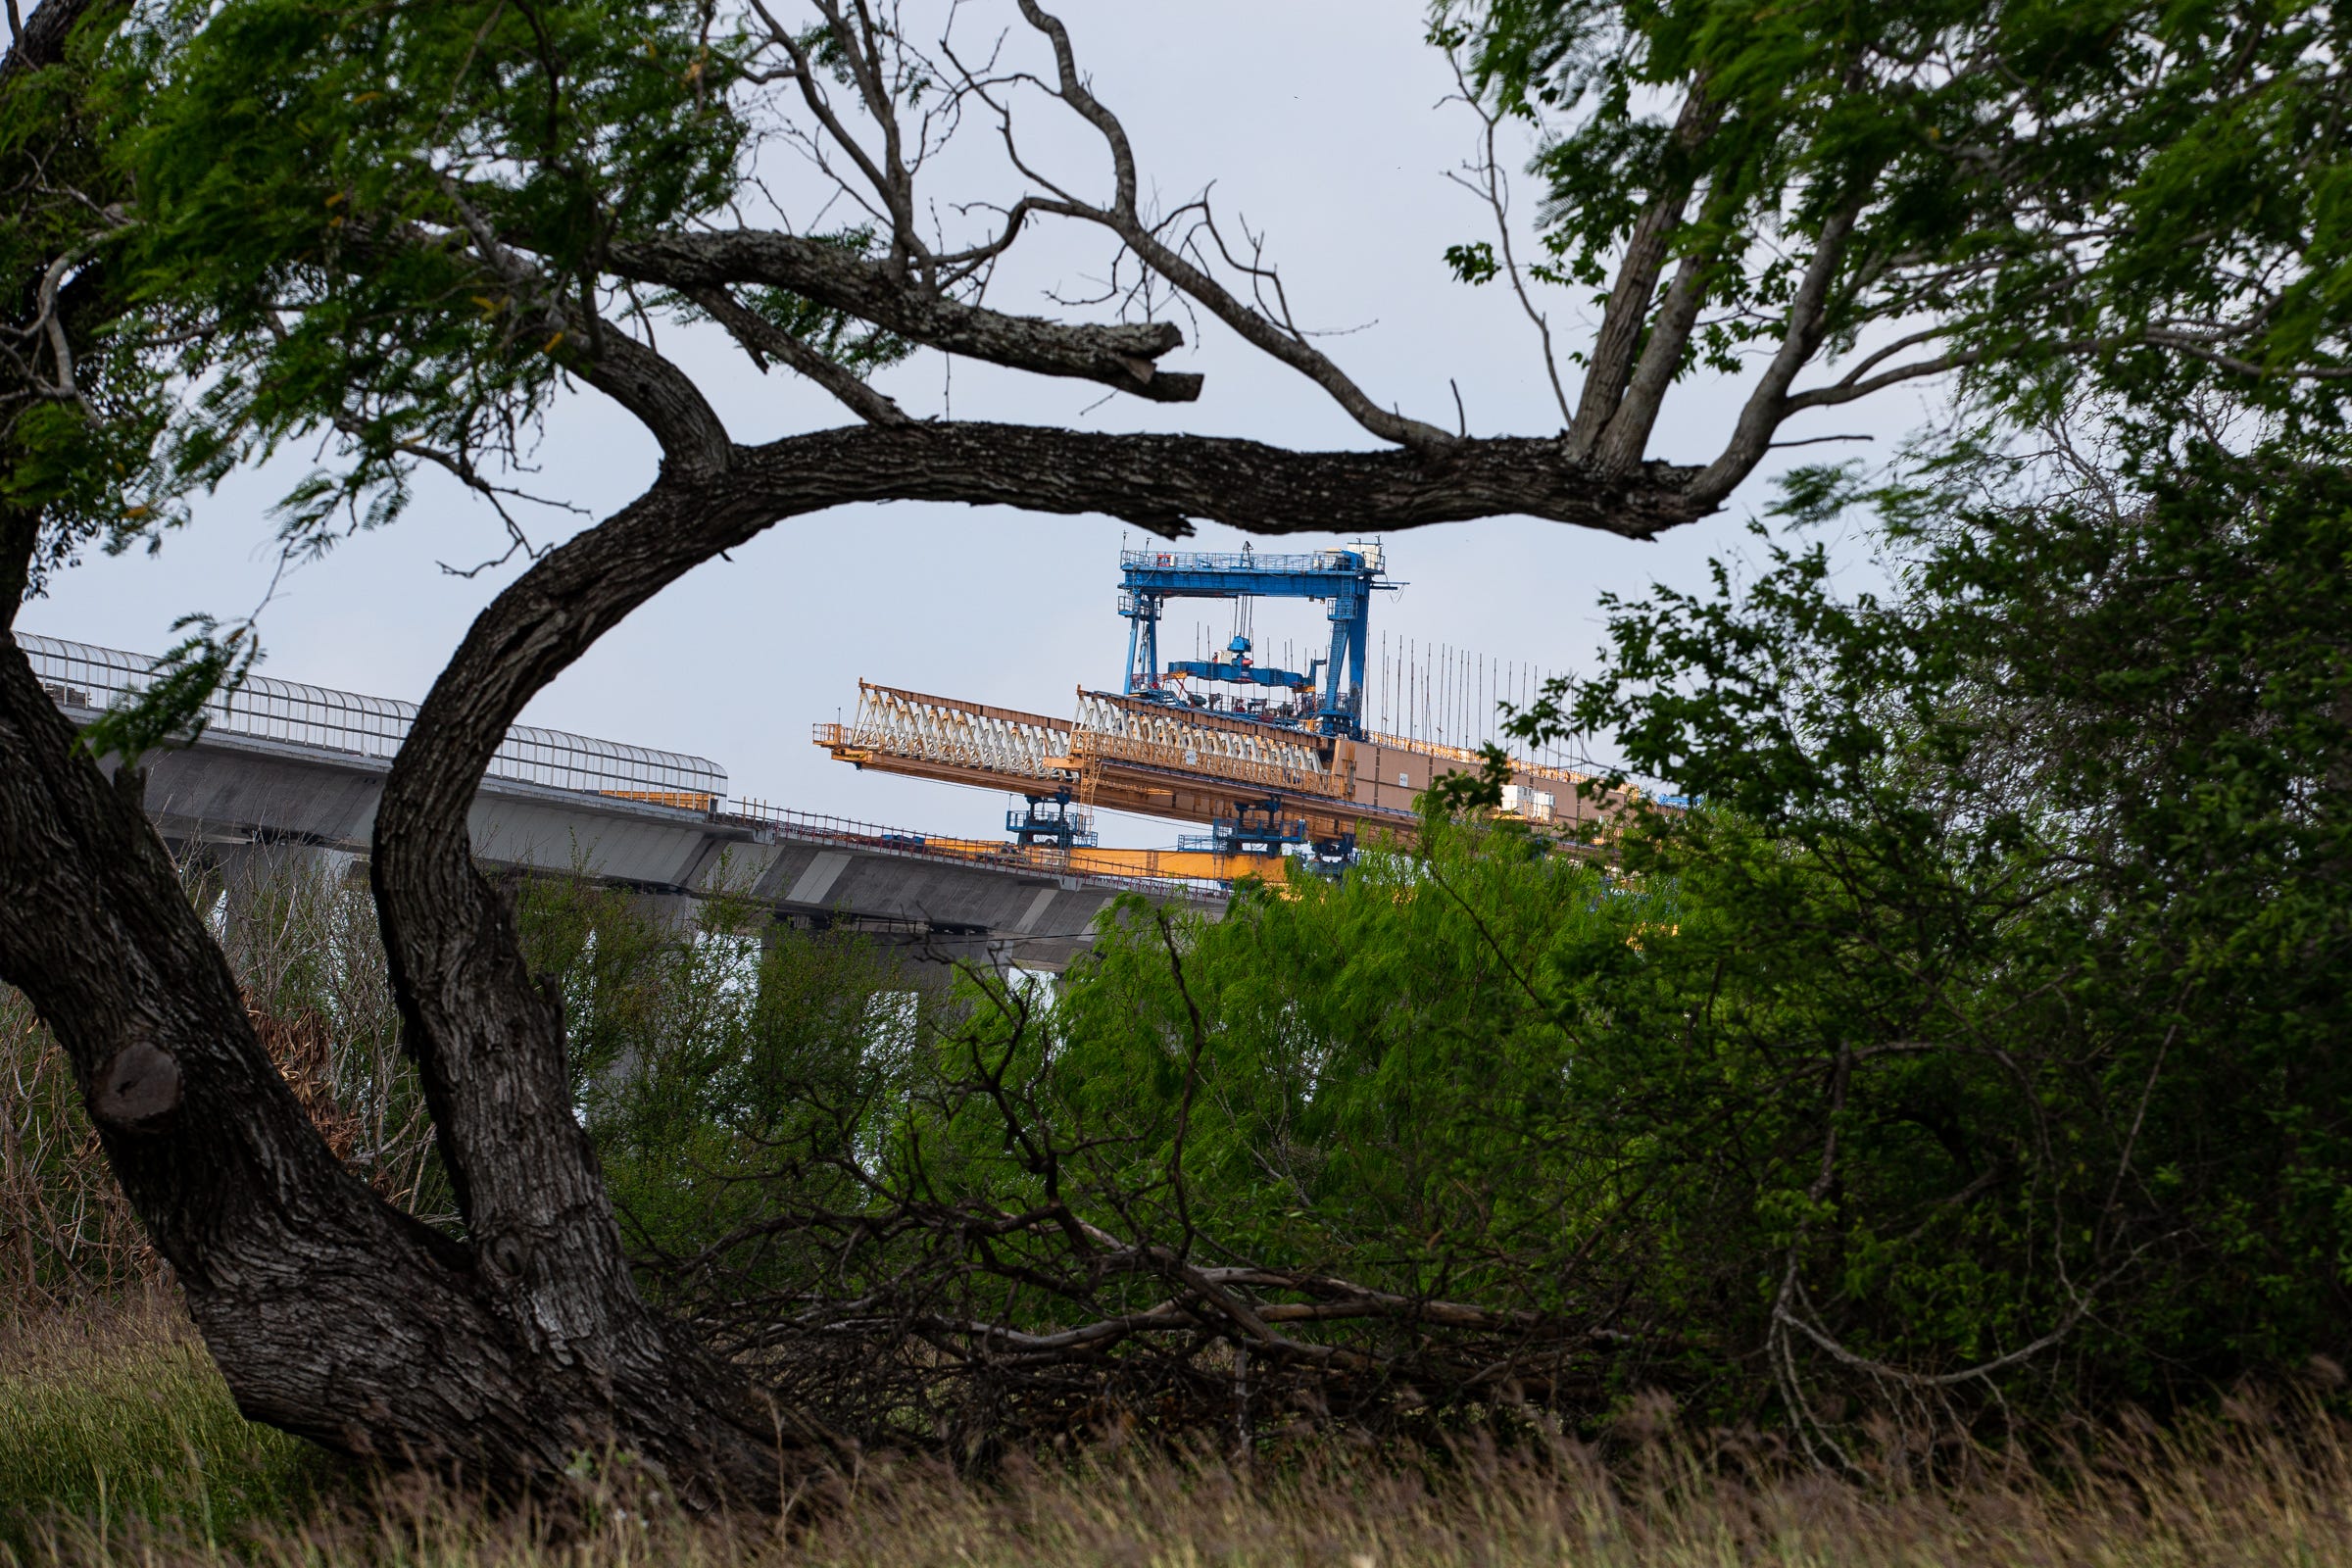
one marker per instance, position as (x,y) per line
(934,963)
(265,889)
(676,915)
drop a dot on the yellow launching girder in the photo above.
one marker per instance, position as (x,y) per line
(1160,759)
(1202,866)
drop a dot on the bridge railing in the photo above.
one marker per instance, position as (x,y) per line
(79,675)
(1348,562)
(816,827)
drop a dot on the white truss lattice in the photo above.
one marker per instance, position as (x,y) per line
(1110,731)
(1172,737)
(933,729)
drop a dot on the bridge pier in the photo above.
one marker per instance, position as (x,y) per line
(926,960)
(261,885)
(933,963)
(674,915)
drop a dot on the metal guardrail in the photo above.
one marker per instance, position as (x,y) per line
(817,828)
(1476,759)
(847,829)
(78,676)
(1331,560)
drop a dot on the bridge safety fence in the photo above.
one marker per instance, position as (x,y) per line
(79,677)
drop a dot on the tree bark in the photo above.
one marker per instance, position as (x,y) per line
(489,1042)
(42,42)
(1627,312)
(330,1313)
(506,1352)
(1123,357)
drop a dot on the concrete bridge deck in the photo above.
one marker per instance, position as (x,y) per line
(287,774)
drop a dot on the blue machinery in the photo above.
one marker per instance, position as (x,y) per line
(1051,820)
(1290,779)
(1346,578)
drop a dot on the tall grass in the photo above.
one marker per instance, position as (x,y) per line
(114,1413)
(127,1399)
(305,945)
(66,1234)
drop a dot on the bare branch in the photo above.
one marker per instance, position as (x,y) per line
(904,238)
(1846,391)
(663,397)
(1486,180)
(763,339)
(1117,356)
(60,350)
(861,52)
(1123,218)
(2198,348)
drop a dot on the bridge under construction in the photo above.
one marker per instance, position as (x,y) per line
(284,779)
(283,774)
(1297,774)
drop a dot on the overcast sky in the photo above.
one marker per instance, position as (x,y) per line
(1320,123)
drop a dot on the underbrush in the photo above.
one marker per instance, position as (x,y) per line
(119,1447)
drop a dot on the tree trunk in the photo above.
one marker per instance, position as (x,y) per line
(330,1313)
(500,1356)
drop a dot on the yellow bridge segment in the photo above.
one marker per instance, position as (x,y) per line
(1159,865)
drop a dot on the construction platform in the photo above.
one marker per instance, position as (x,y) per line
(1295,775)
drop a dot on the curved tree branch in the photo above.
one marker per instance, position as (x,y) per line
(663,397)
(1117,356)
(490,1042)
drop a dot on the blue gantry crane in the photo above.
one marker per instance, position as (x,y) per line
(1346,578)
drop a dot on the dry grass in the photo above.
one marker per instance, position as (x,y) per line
(129,1394)
(65,1231)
